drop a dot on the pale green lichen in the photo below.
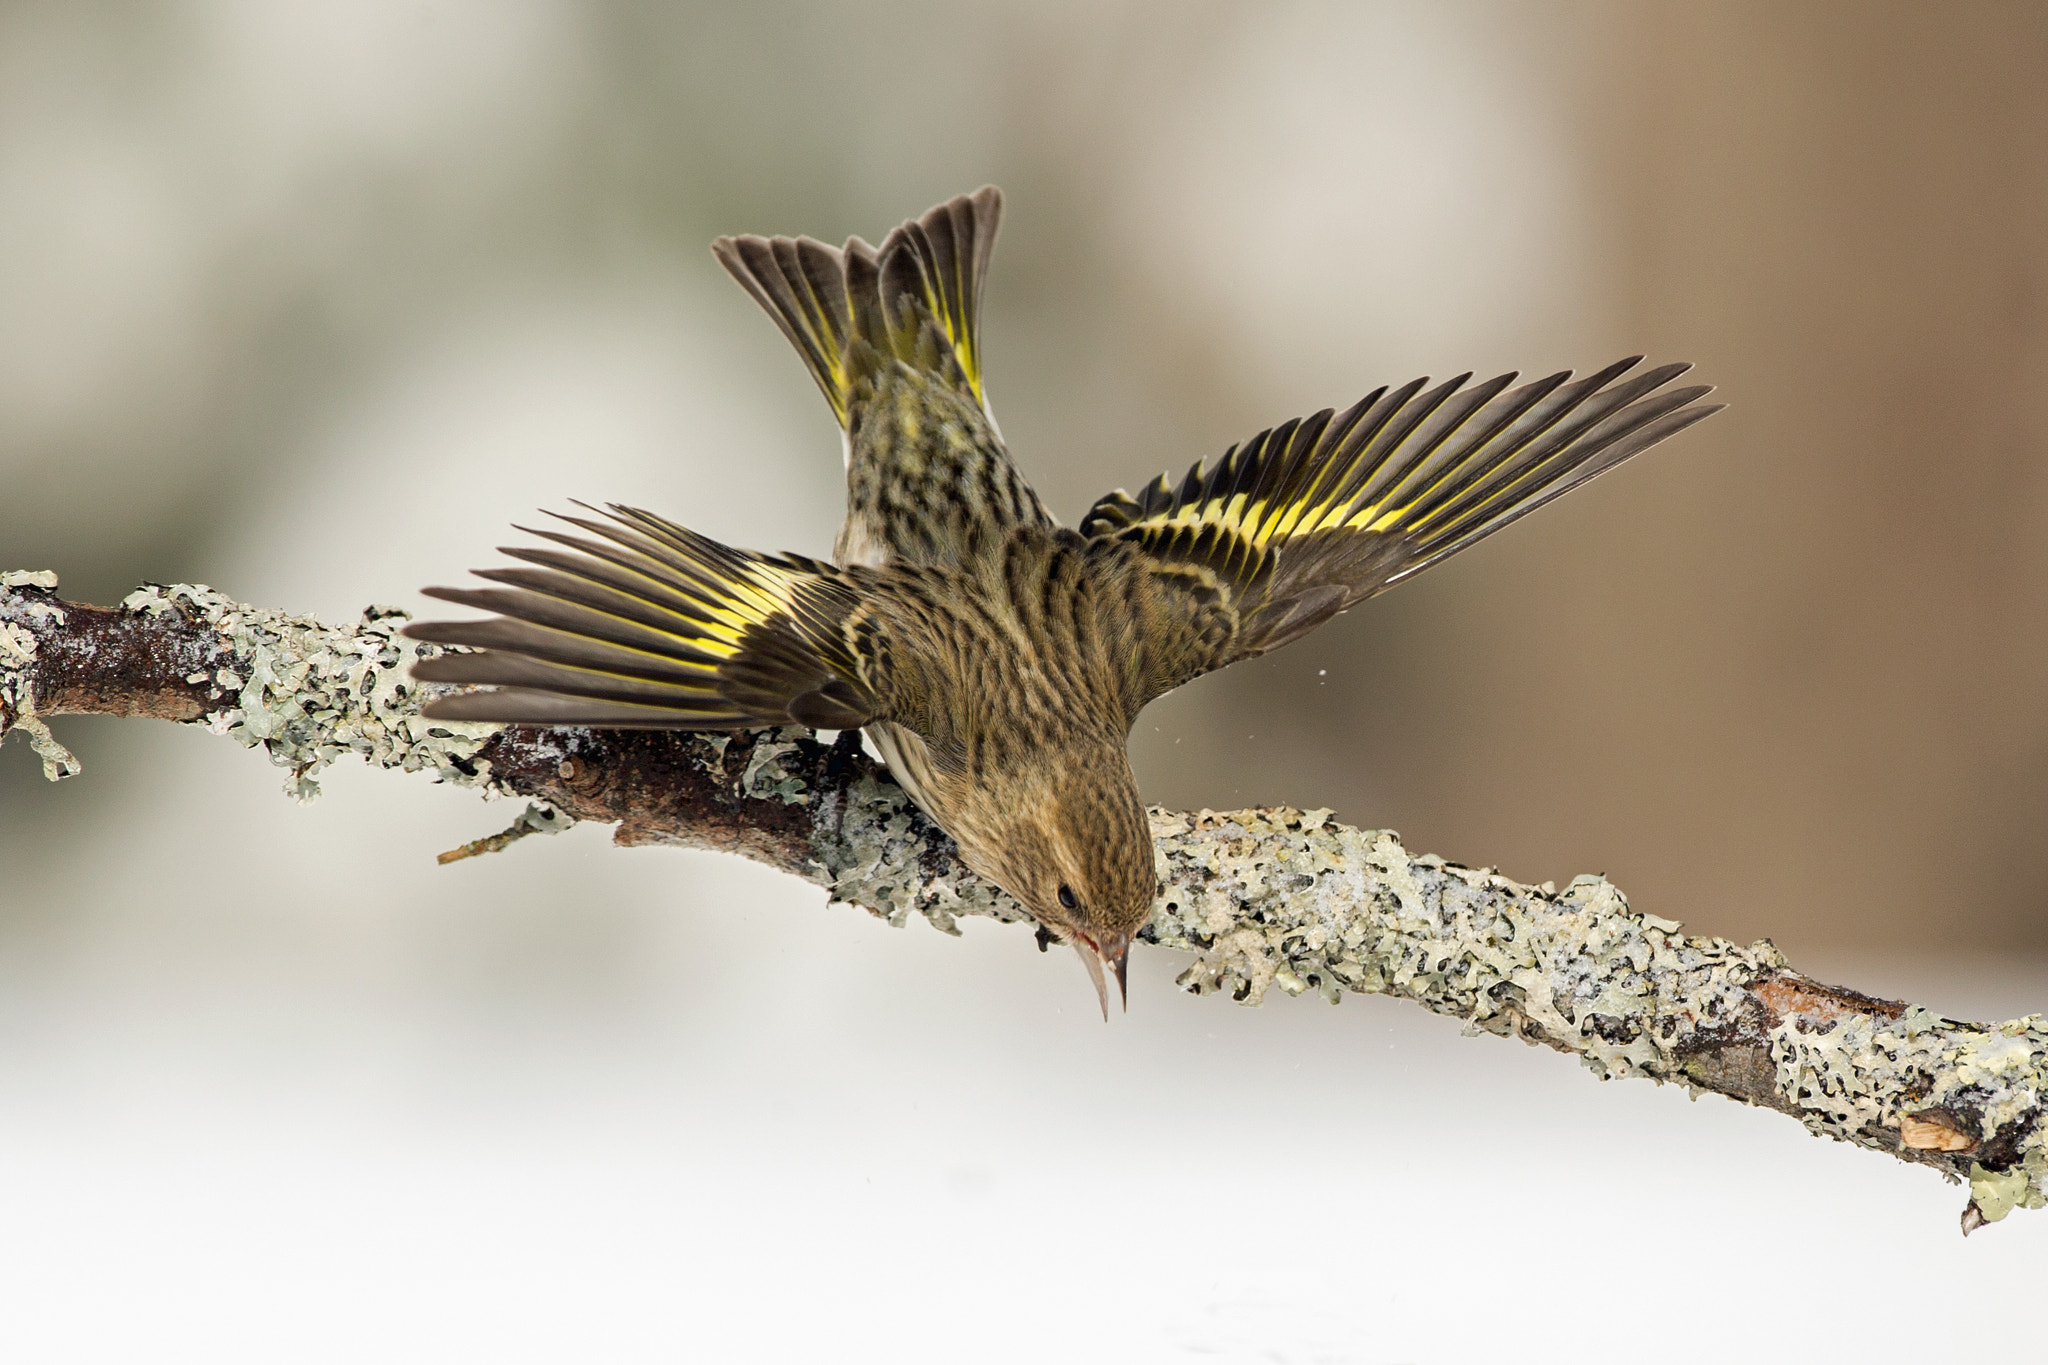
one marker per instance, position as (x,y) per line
(873,849)
(1295,900)
(1994,1194)
(1858,1072)
(1265,896)
(314,692)
(17,657)
(58,761)
(772,772)
(17,650)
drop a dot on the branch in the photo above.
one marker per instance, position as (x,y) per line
(1262,898)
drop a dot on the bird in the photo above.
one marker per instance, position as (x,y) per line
(995,659)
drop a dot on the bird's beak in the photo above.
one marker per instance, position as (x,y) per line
(1115,954)
(1093,962)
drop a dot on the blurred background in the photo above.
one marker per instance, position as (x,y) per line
(309,301)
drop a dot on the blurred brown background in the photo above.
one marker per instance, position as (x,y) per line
(1789,675)
(309,301)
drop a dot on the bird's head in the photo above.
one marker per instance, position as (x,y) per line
(1068,837)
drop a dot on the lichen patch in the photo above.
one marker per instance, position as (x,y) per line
(307,693)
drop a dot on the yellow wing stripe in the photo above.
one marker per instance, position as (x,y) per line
(1262,522)
(759,592)
(1317,504)
(718,601)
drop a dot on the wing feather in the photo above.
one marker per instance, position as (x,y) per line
(1317,514)
(643,623)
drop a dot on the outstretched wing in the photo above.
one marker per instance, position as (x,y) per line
(646,624)
(1314,516)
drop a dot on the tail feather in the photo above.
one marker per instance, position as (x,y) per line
(933,270)
(802,284)
(916,300)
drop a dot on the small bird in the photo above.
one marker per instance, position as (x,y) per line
(995,659)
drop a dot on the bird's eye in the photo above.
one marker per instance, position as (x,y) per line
(1067,901)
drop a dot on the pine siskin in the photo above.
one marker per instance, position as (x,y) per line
(995,659)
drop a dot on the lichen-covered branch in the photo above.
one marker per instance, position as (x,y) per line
(1262,898)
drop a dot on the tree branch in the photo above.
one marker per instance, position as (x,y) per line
(1262,898)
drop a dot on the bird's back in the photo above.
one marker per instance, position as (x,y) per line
(927,479)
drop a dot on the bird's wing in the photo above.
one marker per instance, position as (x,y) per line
(1313,516)
(645,624)
(915,300)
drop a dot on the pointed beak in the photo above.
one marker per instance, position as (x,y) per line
(1115,954)
(1093,962)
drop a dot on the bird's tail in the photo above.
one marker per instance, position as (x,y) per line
(915,300)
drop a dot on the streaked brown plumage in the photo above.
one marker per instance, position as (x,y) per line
(997,660)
